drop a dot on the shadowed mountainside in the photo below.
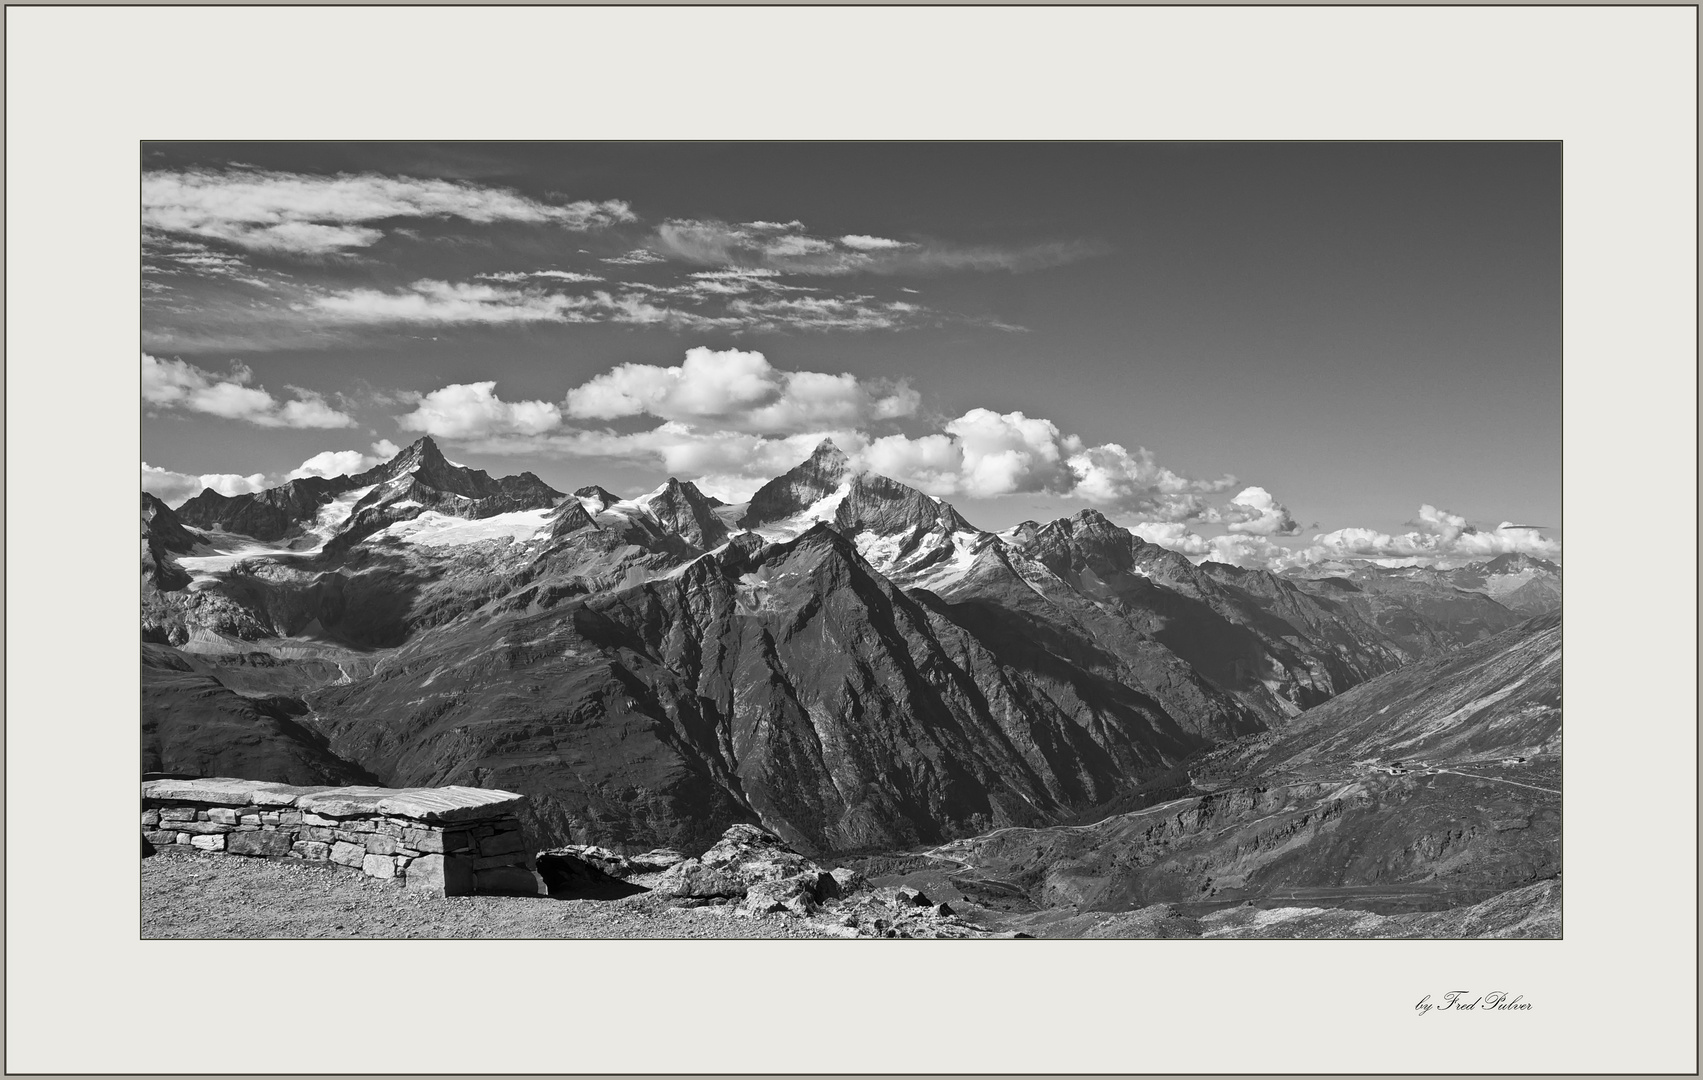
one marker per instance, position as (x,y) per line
(844,659)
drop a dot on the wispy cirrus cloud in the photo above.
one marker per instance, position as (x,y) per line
(717,302)
(445,303)
(315,215)
(862,242)
(791,248)
(513,276)
(181,386)
(635,257)
(170,256)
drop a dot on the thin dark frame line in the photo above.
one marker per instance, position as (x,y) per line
(142,151)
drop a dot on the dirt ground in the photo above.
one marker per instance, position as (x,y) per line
(196,895)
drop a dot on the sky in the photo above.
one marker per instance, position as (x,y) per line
(1265,354)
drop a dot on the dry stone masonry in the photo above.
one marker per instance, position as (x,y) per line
(448,841)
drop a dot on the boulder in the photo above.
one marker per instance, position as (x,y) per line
(379,866)
(693,880)
(795,895)
(848,881)
(655,860)
(744,857)
(906,896)
(608,862)
(348,854)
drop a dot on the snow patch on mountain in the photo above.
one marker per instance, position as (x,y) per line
(333,514)
(432,529)
(821,510)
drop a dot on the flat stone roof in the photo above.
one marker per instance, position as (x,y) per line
(435,804)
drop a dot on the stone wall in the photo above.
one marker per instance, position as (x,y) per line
(448,841)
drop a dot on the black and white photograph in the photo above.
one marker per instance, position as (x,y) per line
(857,540)
(862,540)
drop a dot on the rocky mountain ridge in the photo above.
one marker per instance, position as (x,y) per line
(844,659)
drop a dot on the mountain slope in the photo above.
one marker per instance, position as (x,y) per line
(844,659)
(1300,817)
(192,723)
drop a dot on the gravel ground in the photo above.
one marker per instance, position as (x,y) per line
(197,895)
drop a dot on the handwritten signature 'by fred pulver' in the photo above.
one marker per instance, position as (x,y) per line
(1464,1001)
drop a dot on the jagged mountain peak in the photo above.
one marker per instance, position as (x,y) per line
(423,452)
(596,499)
(881,504)
(570,515)
(812,480)
(829,451)
(688,490)
(686,511)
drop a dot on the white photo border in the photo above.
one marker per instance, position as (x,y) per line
(1616,84)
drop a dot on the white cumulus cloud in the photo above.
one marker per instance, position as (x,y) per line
(741,390)
(468,411)
(179,385)
(985,454)
(1256,512)
(332,463)
(175,488)
(1441,535)
(872,243)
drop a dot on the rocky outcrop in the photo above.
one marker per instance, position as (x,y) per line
(752,865)
(444,841)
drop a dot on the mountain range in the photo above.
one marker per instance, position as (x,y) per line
(843,659)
